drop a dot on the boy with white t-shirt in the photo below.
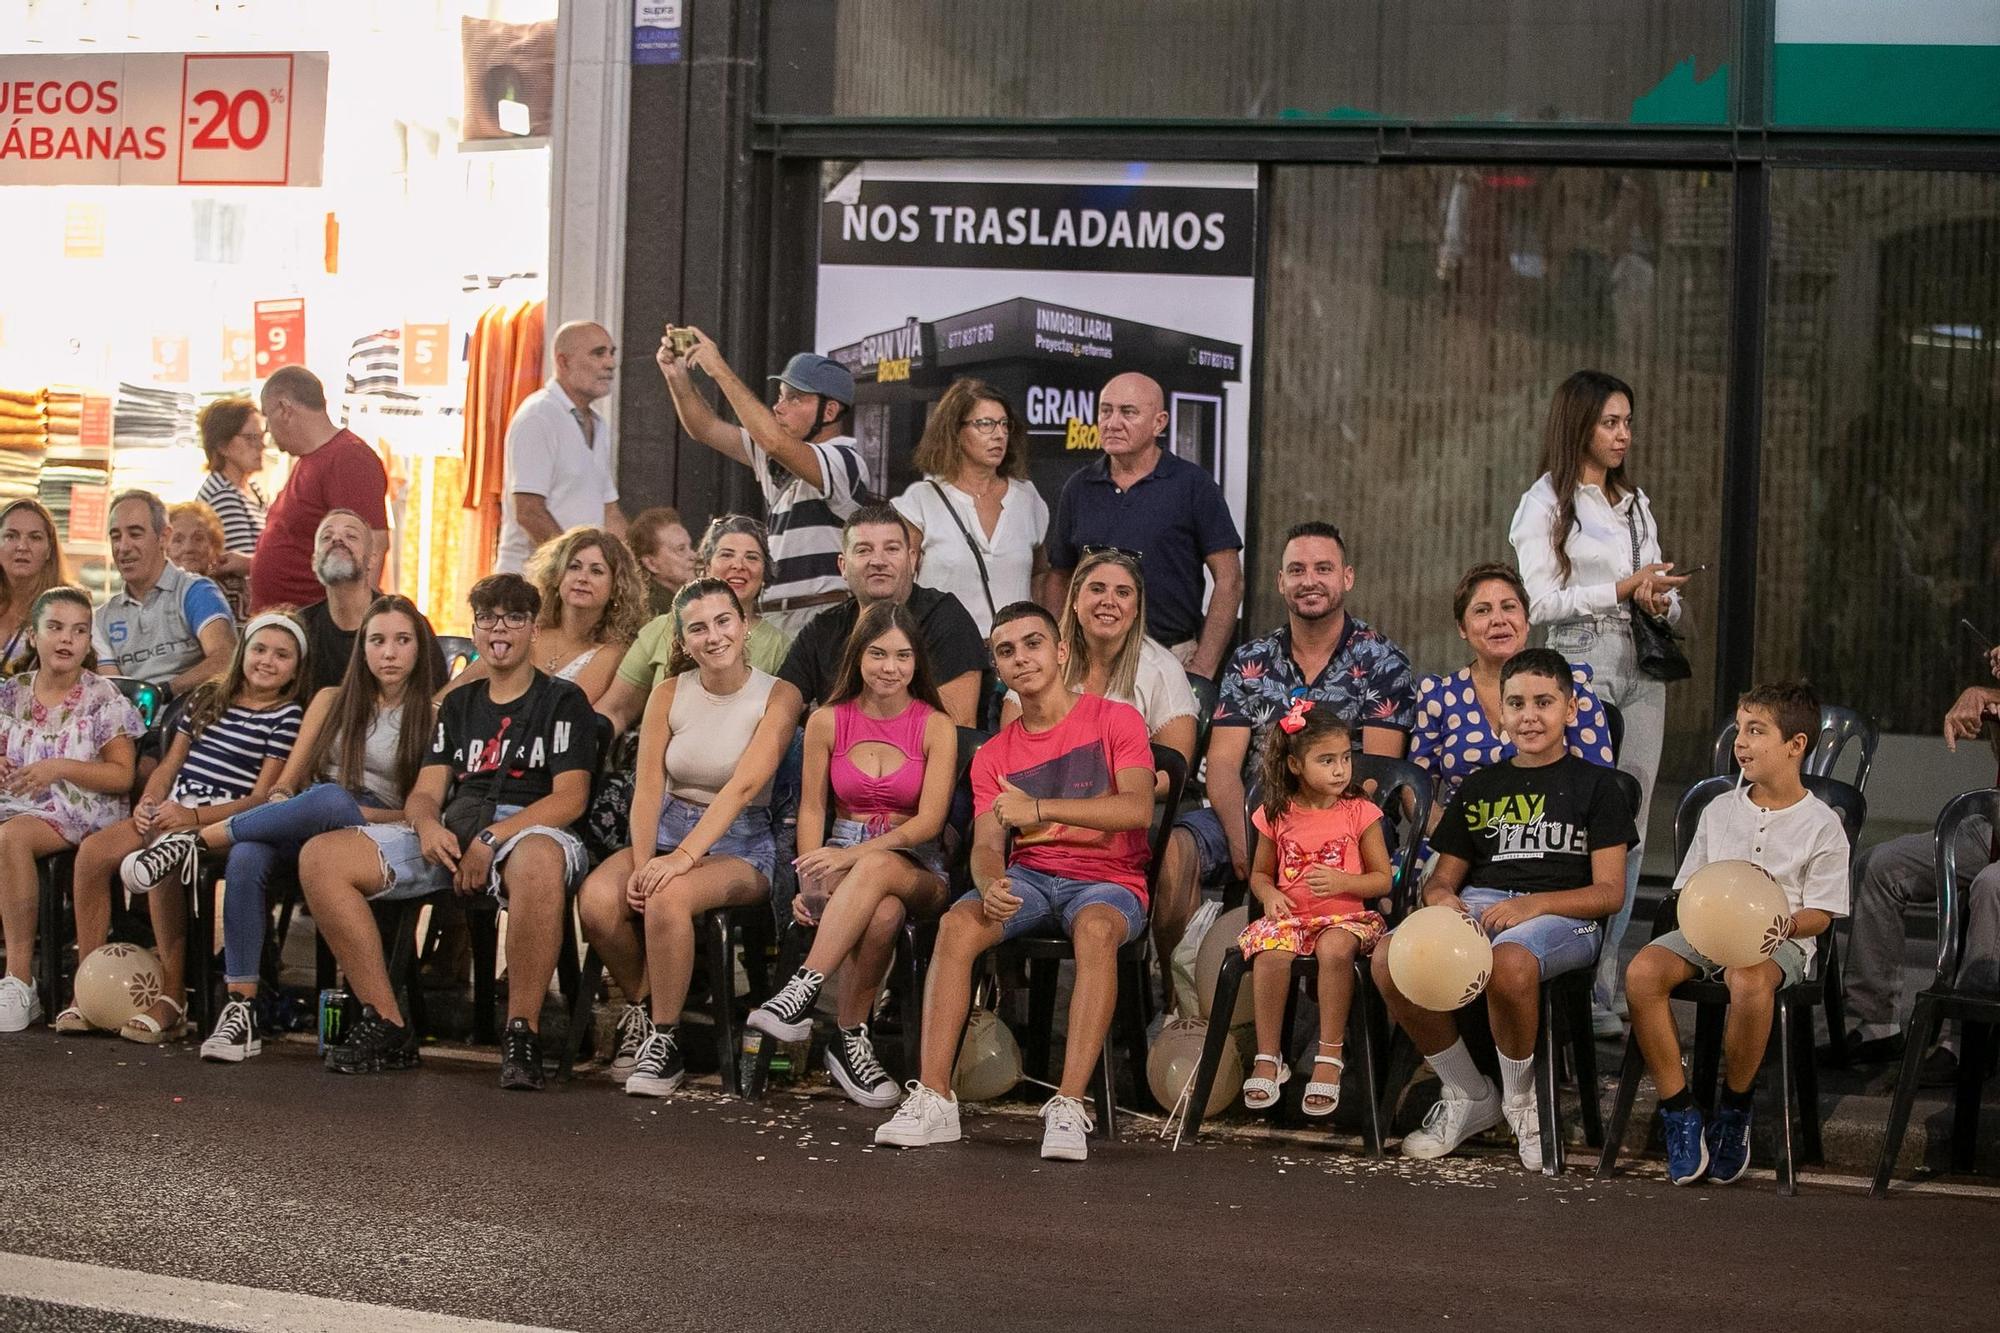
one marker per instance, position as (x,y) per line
(1774,822)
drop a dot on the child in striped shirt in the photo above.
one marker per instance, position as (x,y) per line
(229,745)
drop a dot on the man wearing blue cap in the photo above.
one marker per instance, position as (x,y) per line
(809,469)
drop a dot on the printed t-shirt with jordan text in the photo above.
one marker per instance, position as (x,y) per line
(549,729)
(1532,830)
(1077,759)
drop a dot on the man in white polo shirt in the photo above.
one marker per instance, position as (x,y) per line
(559,450)
(165,625)
(812,475)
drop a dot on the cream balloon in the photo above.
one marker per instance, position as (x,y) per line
(1176,1054)
(989,1059)
(1734,912)
(1215,946)
(117,982)
(1439,959)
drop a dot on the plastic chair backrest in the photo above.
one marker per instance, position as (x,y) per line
(1952,908)
(958,820)
(1167,807)
(1206,692)
(458,653)
(144,695)
(1393,777)
(1839,727)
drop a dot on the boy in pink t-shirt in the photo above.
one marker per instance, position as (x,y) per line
(1073,779)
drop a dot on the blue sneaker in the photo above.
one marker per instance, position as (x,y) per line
(1687,1150)
(1729,1144)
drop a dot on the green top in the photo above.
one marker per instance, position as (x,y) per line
(645,664)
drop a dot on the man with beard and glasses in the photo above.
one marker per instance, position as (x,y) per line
(343,551)
(1320,653)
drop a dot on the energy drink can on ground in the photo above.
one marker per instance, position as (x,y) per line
(332,1010)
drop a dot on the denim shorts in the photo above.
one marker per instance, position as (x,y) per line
(1559,943)
(406,874)
(1790,958)
(748,837)
(1048,900)
(1211,845)
(852,833)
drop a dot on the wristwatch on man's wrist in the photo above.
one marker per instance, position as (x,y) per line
(486,837)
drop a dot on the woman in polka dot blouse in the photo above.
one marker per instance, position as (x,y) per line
(1456,733)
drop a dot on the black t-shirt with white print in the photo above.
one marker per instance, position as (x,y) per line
(1532,830)
(549,729)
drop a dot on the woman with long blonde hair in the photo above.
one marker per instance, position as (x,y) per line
(31,562)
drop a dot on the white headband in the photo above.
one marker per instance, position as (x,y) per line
(275,620)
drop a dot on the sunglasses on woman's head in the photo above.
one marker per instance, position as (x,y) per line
(1090,552)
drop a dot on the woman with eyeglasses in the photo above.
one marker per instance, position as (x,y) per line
(31,562)
(232,435)
(982,522)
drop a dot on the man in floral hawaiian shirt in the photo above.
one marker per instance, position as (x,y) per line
(1321,653)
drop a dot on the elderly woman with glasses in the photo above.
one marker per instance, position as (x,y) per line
(980,519)
(232,435)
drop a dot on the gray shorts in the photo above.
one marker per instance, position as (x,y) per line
(406,874)
(1790,958)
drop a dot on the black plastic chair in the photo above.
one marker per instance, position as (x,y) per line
(1044,953)
(458,653)
(913,946)
(1948,997)
(1614,722)
(1563,1031)
(1367,1020)
(1206,692)
(1839,727)
(1791,1018)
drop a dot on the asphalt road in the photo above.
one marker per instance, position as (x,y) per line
(580,1208)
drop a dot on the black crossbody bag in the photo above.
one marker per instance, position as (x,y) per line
(1653,639)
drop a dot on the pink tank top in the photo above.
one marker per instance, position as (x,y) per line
(895,794)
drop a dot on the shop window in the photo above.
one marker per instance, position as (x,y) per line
(1878,532)
(1417,321)
(1340,61)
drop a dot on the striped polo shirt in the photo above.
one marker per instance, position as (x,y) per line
(804,521)
(223,762)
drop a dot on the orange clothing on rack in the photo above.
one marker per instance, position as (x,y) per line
(503,366)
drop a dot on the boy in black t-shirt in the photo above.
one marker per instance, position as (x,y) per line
(507,772)
(1533,850)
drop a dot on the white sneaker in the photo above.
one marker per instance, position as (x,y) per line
(634,1026)
(924,1118)
(1066,1130)
(1524,1118)
(1452,1121)
(19,1004)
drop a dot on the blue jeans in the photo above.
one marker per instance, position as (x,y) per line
(1049,900)
(261,838)
(1559,943)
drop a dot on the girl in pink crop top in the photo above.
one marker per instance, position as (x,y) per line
(868,845)
(877,802)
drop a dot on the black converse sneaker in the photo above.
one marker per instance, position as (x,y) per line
(520,1057)
(235,1037)
(788,1014)
(850,1058)
(659,1068)
(374,1044)
(171,855)
(634,1026)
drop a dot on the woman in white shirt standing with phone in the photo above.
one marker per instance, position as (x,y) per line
(982,521)
(1589,552)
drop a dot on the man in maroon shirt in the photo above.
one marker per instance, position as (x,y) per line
(333,469)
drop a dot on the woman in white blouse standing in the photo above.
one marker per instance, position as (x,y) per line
(1589,551)
(980,519)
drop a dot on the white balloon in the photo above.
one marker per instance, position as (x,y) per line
(1176,1055)
(1734,913)
(1439,959)
(989,1060)
(116,983)
(1215,946)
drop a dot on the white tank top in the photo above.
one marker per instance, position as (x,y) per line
(710,734)
(378,756)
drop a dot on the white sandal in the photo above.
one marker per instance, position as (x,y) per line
(71,1022)
(1329,1092)
(146,1030)
(1262,1093)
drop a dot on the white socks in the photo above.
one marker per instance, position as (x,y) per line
(1454,1068)
(1517,1077)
